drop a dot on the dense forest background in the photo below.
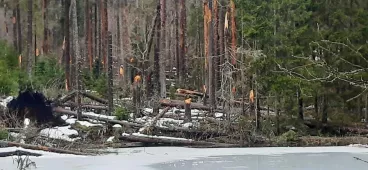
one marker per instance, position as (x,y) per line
(290,59)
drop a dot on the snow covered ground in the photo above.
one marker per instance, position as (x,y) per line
(143,158)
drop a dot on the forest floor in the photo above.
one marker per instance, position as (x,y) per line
(98,131)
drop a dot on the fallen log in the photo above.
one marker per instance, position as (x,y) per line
(43,148)
(69,112)
(153,122)
(168,141)
(95,98)
(18,153)
(65,98)
(85,106)
(181,104)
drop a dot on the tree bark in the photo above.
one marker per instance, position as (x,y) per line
(156,62)
(233,32)
(88,20)
(177,44)
(79,59)
(104,29)
(19,29)
(211,68)
(163,53)
(324,108)
(29,58)
(15,38)
(45,48)
(300,104)
(182,44)
(110,76)
(67,44)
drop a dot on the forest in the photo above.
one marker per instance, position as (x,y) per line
(241,72)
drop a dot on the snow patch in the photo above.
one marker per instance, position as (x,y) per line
(117,126)
(88,124)
(110,139)
(5,101)
(71,121)
(64,117)
(61,133)
(98,115)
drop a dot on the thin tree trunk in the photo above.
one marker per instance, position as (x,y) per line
(29,58)
(177,46)
(182,55)
(15,38)
(300,104)
(88,29)
(110,76)
(366,108)
(206,20)
(216,44)
(324,108)
(78,56)
(221,42)
(19,29)
(233,32)
(211,68)
(156,62)
(67,43)
(104,29)
(45,48)
(163,53)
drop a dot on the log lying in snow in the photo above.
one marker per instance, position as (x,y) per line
(43,148)
(18,153)
(168,141)
(153,122)
(86,106)
(69,112)
(136,125)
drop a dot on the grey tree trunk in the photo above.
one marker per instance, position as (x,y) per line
(110,77)
(29,58)
(79,59)
(163,50)
(211,84)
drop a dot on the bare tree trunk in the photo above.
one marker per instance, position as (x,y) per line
(97,35)
(211,68)
(216,44)
(29,58)
(15,39)
(233,32)
(156,63)
(67,44)
(104,29)
(221,41)
(206,17)
(300,104)
(324,108)
(19,29)
(177,46)
(45,44)
(182,58)
(78,56)
(88,20)
(366,108)
(110,76)
(163,56)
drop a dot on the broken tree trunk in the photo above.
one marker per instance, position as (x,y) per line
(95,98)
(188,114)
(43,148)
(146,128)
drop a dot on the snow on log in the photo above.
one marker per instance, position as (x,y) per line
(153,122)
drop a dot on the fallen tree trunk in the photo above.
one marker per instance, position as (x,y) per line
(95,98)
(153,122)
(85,106)
(65,98)
(169,141)
(43,148)
(124,123)
(181,104)
(18,153)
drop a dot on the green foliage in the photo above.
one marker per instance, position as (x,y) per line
(121,113)
(4,134)
(8,69)
(289,136)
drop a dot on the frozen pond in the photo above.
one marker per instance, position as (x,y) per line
(178,158)
(295,161)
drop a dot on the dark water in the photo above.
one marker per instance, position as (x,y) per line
(300,161)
